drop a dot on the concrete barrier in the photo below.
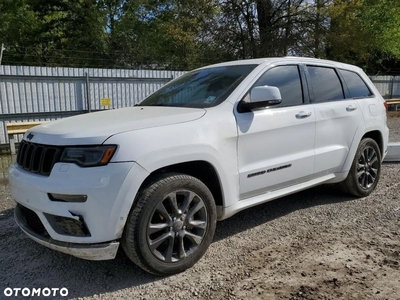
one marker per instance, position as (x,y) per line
(393,154)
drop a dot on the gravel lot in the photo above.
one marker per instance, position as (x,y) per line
(317,244)
(393,123)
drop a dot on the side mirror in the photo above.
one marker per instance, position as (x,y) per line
(268,95)
(261,96)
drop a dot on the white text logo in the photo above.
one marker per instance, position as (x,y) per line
(39,292)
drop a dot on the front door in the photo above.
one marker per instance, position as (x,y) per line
(276,144)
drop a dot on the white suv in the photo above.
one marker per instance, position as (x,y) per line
(156,177)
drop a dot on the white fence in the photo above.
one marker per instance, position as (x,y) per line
(388,86)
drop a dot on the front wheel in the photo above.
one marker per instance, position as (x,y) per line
(171,226)
(365,171)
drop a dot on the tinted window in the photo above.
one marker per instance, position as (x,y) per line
(356,85)
(325,83)
(287,79)
(201,88)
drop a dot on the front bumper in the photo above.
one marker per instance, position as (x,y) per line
(101,251)
(86,229)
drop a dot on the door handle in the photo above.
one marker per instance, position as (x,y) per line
(303,115)
(351,108)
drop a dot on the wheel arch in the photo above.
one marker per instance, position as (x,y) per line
(192,158)
(365,171)
(376,135)
(200,169)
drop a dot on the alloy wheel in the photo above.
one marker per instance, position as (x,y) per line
(367,169)
(177,226)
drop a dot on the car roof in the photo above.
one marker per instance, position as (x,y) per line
(294,59)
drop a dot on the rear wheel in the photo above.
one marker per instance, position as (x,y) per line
(365,171)
(171,225)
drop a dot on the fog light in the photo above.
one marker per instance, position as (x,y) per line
(67,198)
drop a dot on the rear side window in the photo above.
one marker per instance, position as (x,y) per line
(325,83)
(287,79)
(357,86)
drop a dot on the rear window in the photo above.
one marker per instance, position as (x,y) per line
(325,83)
(357,86)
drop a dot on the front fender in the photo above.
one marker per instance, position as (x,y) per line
(213,141)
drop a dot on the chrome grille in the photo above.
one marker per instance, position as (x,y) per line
(37,158)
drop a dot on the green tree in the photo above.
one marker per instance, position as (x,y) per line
(157,34)
(365,32)
(70,32)
(184,34)
(53,33)
(17,26)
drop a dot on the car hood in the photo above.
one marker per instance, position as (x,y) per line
(95,128)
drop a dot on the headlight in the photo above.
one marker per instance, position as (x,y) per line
(88,156)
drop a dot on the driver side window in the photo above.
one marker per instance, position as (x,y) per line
(287,79)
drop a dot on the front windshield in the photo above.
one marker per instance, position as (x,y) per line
(200,88)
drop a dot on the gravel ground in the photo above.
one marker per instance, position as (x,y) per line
(317,244)
(393,123)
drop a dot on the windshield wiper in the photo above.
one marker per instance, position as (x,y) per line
(164,104)
(158,104)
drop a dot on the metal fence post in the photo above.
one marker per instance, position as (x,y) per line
(1,52)
(392,87)
(87,92)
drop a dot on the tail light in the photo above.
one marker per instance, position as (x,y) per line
(386,105)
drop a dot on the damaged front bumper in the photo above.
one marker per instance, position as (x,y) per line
(75,210)
(101,251)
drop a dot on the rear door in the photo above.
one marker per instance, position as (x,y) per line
(371,107)
(337,118)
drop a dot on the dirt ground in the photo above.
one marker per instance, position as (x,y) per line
(317,244)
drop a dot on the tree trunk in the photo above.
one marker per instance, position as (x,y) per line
(317,38)
(265,12)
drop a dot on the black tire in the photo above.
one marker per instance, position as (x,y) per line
(365,170)
(185,239)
